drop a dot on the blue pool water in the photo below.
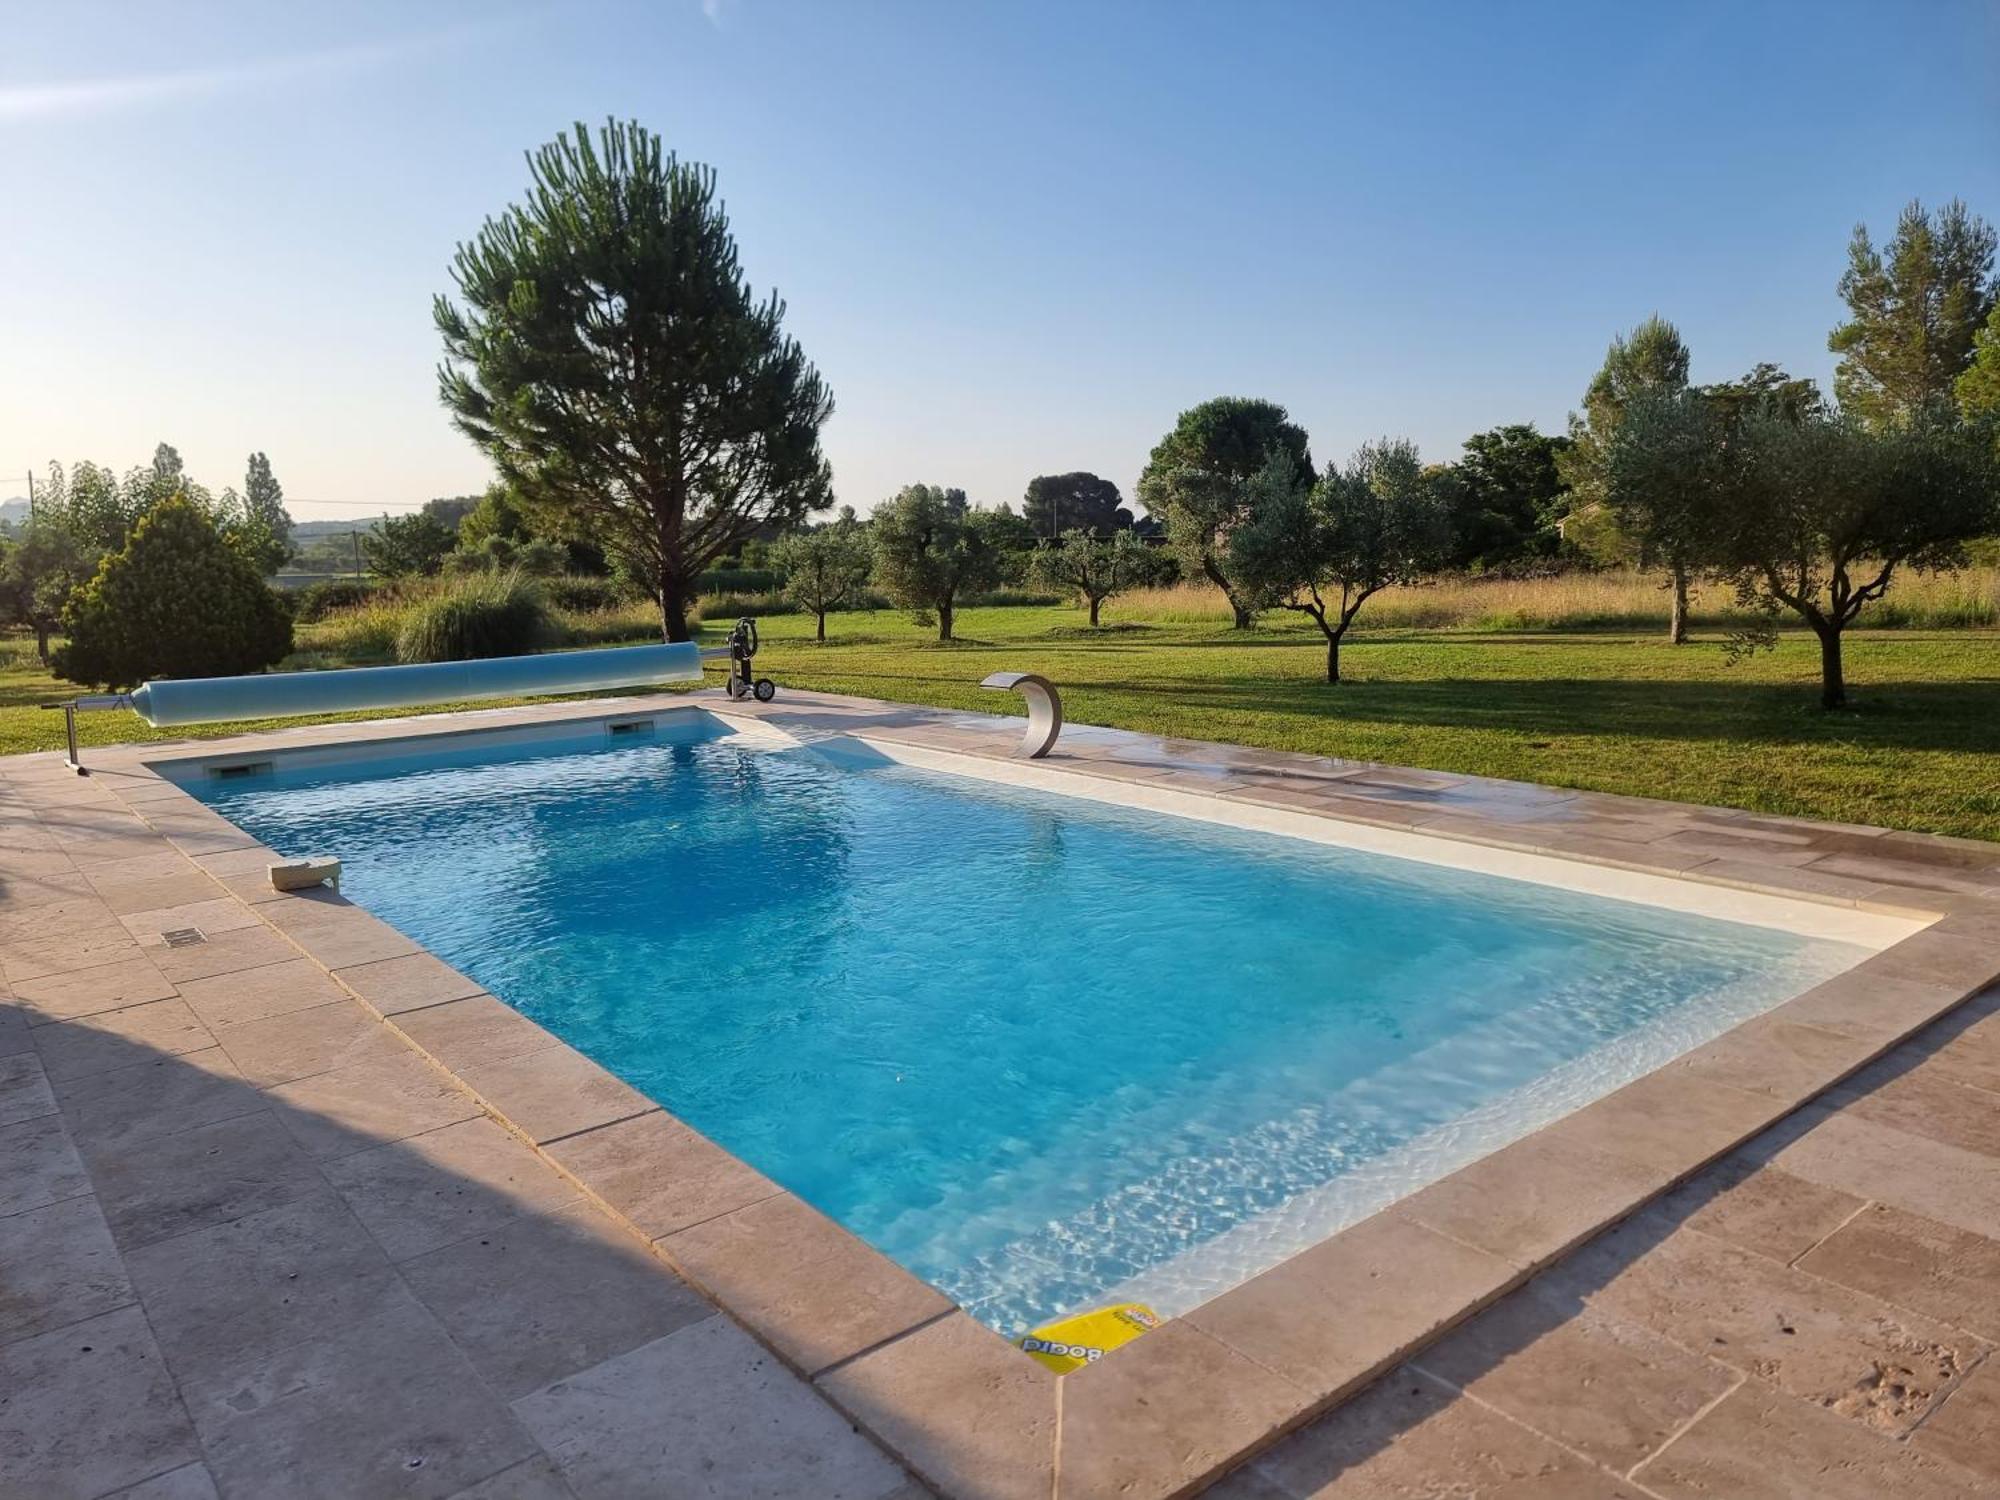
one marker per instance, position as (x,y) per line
(1036,1049)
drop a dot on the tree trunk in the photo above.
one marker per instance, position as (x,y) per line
(1333,659)
(1677,623)
(673,615)
(1094,602)
(820,633)
(42,643)
(944,621)
(1244,619)
(1832,685)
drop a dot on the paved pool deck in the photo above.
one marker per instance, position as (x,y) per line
(297,1210)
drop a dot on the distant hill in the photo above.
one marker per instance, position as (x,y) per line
(306,530)
(15,510)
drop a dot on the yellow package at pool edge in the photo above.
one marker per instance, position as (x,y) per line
(1073,1342)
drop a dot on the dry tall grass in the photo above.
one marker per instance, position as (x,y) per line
(1584,600)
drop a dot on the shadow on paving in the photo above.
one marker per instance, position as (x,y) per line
(207,1283)
(1633,1339)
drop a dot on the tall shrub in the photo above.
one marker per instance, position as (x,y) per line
(177,601)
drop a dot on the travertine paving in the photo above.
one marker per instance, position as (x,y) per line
(254,1241)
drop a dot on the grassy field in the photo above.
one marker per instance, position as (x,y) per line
(1610,709)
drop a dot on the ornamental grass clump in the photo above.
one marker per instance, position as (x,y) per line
(487,614)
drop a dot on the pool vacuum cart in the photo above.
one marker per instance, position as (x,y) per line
(743,646)
(172,701)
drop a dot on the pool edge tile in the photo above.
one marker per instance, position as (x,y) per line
(1168,1414)
(552,1092)
(659,1174)
(815,1293)
(964,1409)
(1300,1319)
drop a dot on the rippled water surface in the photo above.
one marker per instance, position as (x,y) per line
(1036,1049)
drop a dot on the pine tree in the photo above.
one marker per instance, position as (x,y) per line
(1917,309)
(612,362)
(1080,501)
(264,506)
(1205,478)
(1651,361)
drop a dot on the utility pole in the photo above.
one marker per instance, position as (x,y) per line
(31,494)
(355,537)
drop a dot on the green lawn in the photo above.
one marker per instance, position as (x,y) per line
(1616,712)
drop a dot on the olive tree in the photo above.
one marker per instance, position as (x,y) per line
(932,548)
(1094,568)
(1324,552)
(1667,477)
(39,573)
(1823,513)
(825,567)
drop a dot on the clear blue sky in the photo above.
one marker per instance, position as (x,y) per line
(1015,238)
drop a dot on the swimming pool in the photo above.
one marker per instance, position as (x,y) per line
(1043,1052)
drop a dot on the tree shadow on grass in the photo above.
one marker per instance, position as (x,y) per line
(1899,715)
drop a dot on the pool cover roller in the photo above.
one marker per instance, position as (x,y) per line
(277,695)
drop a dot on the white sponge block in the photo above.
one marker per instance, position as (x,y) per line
(304,874)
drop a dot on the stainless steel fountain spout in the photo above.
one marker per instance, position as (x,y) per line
(1044,710)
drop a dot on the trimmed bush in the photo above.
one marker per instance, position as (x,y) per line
(316,601)
(177,601)
(738,581)
(584,594)
(489,614)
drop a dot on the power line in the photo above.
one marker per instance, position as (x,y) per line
(369,505)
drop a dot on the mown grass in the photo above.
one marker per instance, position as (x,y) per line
(1612,709)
